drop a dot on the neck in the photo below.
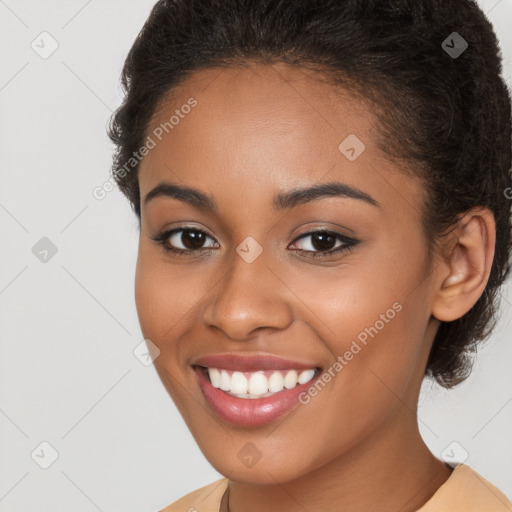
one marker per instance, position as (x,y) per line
(392,470)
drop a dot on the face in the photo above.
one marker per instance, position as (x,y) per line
(293,327)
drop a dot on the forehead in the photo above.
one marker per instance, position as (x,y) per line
(260,127)
(277,110)
(262,88)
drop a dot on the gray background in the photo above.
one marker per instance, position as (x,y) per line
(68,326)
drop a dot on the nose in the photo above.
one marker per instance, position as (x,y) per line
(250,296)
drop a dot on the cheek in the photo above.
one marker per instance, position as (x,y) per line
(147,293)
(375,320)
(380,295)
(163,295)
(160,307)
(373,380)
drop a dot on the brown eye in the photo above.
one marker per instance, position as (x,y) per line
(323,243)
(190,239)
(183,240)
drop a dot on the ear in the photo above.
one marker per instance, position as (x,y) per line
(465,265)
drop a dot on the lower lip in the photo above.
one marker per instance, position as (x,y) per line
(250,412)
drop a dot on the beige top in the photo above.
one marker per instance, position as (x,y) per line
(464,491)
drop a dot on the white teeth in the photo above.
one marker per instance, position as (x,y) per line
(238,383)
(276,382)
(257,384)
(306,376)
(214,377)
(225,381)
(290,381)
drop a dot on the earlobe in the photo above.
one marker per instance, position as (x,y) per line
(465,265)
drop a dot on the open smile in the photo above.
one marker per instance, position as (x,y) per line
(252,392)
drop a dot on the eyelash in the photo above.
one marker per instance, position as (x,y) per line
(349,243)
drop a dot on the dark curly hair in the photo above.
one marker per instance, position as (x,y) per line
(445,117)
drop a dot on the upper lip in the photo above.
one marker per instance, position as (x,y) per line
(250,363)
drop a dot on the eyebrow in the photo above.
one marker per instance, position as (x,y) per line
(282,201)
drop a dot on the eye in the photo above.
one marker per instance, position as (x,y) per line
(190,239)
(192,242)
(321,244)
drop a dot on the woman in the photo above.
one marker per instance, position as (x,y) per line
(321,191)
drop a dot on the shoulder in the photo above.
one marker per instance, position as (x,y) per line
(467,491)
(205,499)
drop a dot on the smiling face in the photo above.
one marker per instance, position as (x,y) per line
(255,135)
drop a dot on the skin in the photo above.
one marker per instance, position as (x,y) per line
(356,446)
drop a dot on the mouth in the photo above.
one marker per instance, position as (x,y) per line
(241,394)
(259,384)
